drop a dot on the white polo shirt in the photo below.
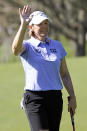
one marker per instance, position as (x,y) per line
(41,63)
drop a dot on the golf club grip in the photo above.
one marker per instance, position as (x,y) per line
(72,118)
(71,114)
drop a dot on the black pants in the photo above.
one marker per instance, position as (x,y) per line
(43,109)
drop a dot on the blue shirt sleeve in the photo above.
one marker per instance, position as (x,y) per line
(63,53)
(25,54)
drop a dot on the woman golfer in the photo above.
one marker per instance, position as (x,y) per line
(44,64)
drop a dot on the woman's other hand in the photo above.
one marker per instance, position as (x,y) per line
(72,104)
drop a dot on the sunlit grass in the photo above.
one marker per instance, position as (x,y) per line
(12,118)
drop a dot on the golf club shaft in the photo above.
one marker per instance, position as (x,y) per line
(73,128)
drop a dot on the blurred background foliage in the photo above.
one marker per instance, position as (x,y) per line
(68,23)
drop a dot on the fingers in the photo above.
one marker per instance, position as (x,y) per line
(72,105)
(26,9)
(72,109)
(20,11)
(24,14)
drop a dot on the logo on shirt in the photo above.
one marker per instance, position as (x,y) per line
(53,50)
(38,50)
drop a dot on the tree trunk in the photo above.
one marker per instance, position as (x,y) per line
(80,50)
(81,42)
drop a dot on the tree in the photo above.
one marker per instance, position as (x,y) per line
(68,18)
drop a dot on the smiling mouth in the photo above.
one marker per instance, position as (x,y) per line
(44,32)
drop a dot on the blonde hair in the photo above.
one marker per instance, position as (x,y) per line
(31,33)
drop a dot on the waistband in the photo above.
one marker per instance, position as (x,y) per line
(44,92)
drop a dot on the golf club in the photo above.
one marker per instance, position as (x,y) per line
(72,117)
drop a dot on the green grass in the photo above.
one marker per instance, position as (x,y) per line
(12,118)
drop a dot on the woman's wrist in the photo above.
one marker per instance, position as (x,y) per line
(72,96)
(24,25)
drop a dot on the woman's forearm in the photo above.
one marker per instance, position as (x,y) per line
(68,84)
(17,42)
(65,76)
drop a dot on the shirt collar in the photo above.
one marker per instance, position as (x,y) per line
(36,42)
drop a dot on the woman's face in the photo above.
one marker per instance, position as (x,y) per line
(41,30)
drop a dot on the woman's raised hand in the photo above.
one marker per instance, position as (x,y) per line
(24,14)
